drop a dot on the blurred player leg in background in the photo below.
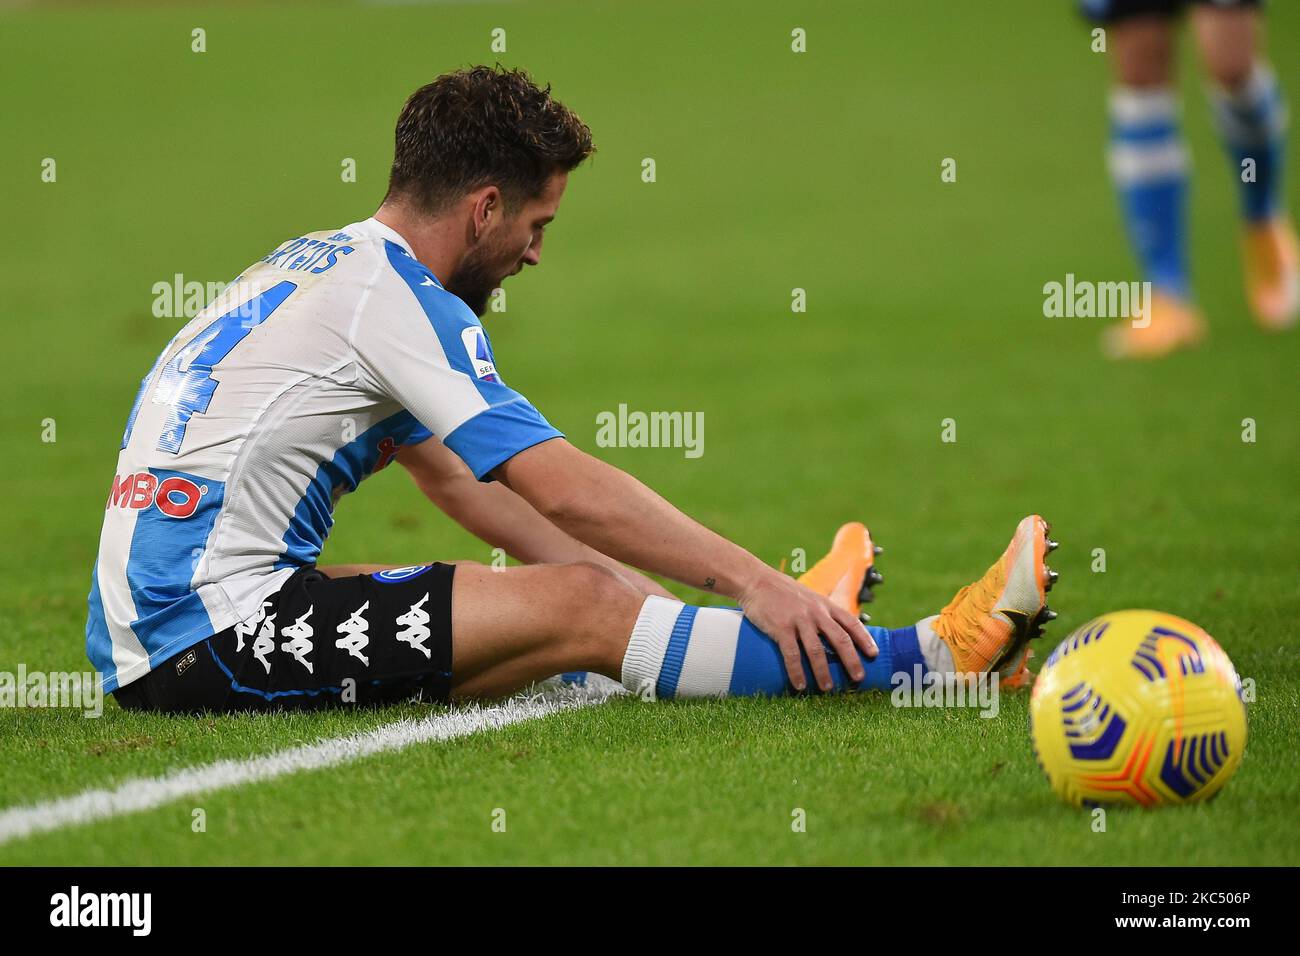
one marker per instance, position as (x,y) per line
(1148,164)
(1251,118)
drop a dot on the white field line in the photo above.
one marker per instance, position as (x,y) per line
(145,793)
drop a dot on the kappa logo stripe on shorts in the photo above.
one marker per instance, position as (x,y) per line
(321,642)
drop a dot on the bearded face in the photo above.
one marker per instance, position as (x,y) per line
(483,269)
(510,243)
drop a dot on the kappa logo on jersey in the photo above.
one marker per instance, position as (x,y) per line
(415,632)
(357,640)
(300,644)
(393,575)
(175,497)
(248,628)
(480,357)
(265,642)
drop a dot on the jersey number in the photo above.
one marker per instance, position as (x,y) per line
(185,384)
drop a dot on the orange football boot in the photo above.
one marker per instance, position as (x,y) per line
(989,624)
(1019,675)
(848,572)
(1272,259)
(1172,324)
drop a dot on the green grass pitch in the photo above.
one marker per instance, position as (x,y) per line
(774,171)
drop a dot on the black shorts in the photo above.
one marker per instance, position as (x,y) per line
(1112,11)
(318,642)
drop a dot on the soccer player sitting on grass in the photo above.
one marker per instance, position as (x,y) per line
(343,349)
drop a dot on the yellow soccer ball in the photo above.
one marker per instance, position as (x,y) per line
(1138,707)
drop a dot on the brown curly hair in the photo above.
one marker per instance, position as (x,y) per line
(482,126)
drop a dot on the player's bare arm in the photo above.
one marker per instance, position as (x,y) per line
(499,517)
(617,514)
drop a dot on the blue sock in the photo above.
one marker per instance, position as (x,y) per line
(1149,167)
(1252,124)
(685,651)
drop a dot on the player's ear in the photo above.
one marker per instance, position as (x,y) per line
(488,208)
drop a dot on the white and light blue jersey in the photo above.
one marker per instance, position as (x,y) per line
(300,380)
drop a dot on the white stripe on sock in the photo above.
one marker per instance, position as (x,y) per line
(1130,106)
(706,671)
(1132,163)
(645,648)
(1259,95)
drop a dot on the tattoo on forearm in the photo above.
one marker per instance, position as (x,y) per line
(709,583)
